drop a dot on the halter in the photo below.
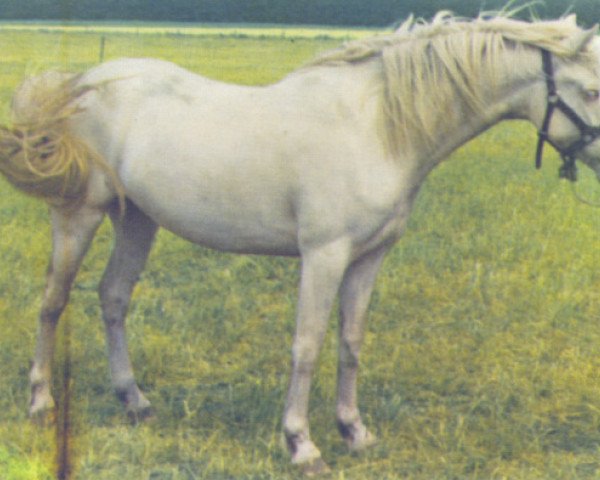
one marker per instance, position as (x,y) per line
(589,134)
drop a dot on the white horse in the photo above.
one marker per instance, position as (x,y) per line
(324,165)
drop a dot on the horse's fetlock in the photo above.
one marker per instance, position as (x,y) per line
(37,377)
(125,389)
(295,429)
(41,401)
(347,415)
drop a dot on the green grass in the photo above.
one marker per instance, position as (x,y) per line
(480,359)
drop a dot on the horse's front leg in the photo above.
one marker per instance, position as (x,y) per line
(72,233)
(322,271)
(355,294)
(134,234)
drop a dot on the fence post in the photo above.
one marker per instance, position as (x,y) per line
(102,44)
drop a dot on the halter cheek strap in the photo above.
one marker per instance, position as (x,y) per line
(552,99)
(589,133)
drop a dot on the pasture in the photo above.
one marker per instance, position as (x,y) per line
(481,356)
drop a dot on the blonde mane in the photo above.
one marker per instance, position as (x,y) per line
(427,66)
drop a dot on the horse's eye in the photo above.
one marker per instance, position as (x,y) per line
(592,94)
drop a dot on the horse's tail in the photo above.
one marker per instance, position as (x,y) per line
(39,154)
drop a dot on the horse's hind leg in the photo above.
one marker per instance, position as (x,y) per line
(72,233)
(134,234)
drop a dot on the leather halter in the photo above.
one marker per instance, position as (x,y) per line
(589,133)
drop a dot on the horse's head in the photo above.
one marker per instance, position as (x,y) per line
(591,155)
(569,114)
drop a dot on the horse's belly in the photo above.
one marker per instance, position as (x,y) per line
(231,237)
(233,220)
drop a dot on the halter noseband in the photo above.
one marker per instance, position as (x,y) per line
(589,133)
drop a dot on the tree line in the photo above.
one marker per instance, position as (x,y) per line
(317,12)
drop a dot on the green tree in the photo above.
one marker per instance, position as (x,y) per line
(326,12)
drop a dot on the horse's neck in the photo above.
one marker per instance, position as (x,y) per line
(509,99)
(358,89)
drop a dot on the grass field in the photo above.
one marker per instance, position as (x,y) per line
(481,356)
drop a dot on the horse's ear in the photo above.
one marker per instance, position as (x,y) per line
(581,39)
(572,19)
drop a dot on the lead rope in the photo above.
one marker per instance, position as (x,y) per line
(579,198)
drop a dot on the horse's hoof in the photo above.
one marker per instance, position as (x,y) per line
(315,468)
(144,415)
(43,418)
(356,436)
(363,442)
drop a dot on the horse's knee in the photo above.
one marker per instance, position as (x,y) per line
(54,302)
(350,347)
(305,352)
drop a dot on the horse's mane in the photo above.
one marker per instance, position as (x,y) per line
(426,66)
